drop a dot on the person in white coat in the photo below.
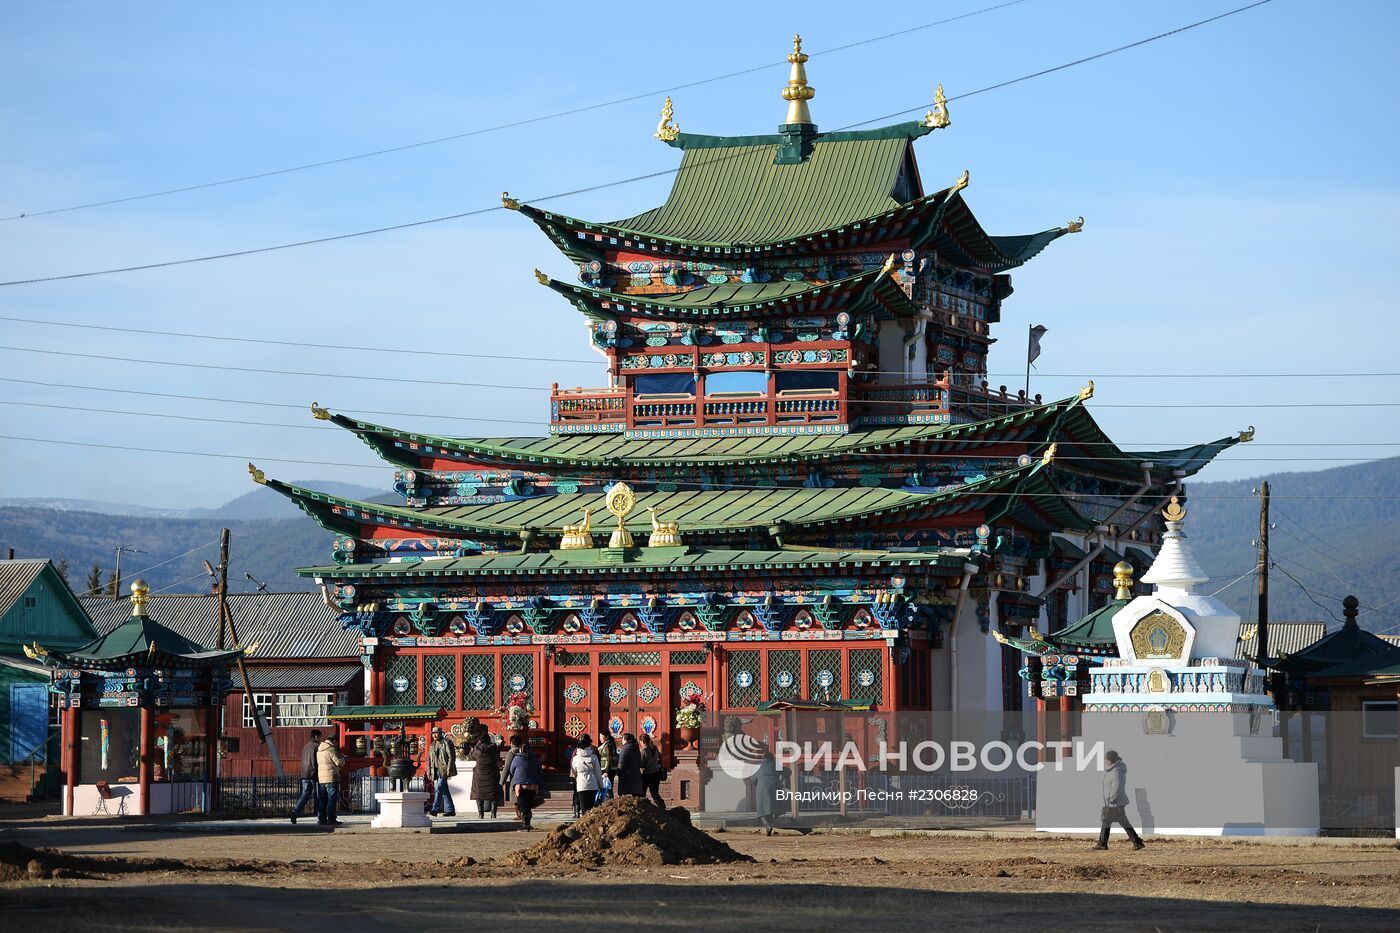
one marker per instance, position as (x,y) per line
(586,768)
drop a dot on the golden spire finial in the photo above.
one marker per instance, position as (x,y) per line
(541,277)
(962,181)
(1123,580)
(1076,225)
(140,594)
(937,118)
(319,413)
(508,202)
(798,92)
(1174,512)
(259,476)
(666,130)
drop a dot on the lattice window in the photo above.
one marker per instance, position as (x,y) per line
(304,709)
(824,674)
(478,681)
(744,688)
(687,657)
(630,658)
(440,680)
(865,682)
(401,676)
(518,673)
(784,674)
(263,701)
(571,659)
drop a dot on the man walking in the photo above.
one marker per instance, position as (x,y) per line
(329,761)
(1115,798)
(308,778)
(442,764)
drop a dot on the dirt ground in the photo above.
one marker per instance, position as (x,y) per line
(298,878)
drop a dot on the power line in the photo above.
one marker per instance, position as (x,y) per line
(500,126)
(525,388)
(1306,592)
(363,466)
(198,547)
(563,194)
(321,345)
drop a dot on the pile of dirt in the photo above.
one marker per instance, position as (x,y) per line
(629,831)
(21,863)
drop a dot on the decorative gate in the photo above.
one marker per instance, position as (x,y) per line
(633,703)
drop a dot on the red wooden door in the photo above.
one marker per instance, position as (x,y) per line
(633,703)
(575,709)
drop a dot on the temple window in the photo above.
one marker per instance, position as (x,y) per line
(1379,719)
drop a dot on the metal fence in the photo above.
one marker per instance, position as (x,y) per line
(932,795)
(275,796)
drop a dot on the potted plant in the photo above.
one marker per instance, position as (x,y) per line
(516,713)
(690,717)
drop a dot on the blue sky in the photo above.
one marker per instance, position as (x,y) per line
(1236,180)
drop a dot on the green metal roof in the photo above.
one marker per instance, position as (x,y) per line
(711,302)
(736,194)
(141,638)
(639,560)
(1093,631)
(375,713)
(711,511)
(1382,664)
(611,451)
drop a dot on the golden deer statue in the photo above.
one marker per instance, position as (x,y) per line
(577,536)
(663,534)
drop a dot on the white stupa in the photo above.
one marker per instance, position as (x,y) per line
(1194,723)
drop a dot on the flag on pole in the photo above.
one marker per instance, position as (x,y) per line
(1033,349)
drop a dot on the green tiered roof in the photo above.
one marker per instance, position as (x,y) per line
(713,512)
(714,302)
(142,641)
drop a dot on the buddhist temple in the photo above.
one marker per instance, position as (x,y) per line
(795,482)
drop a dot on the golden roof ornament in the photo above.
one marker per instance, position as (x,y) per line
(259,476)
(541,277)
(1174,512)
(798,92)
(666,130)
(508,202)
(1049,455)
(889,264)
(620,501)
(962,181)
(937,118)
(578,536)
(1247,435)
(663,534)
(36,652)
(319,413)
(1075,226)
(1123,580)
(140,595)
(1087,392)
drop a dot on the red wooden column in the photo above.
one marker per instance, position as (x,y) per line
(148,757)
(69,755)
(211,770)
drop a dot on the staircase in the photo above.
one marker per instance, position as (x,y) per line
(15,780)
(559,794)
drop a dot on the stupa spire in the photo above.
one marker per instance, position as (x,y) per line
(798,92)
(1175,567)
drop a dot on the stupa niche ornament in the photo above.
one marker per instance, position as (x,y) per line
(620,502)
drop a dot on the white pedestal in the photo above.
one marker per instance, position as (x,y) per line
(401,810)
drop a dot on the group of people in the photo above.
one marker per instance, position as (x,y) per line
(499,773)
(321,762)
(632,769)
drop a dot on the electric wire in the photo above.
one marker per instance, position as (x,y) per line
(502,126)
(563,194)
(199,547)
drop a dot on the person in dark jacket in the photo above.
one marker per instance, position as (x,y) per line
(524,777)
(516,742)
(308,778)
(766,781)
(607,754)
(1115,798)
(629,767)
(486,776)
(442,764)
(652,771)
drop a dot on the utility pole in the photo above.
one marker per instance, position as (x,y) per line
(264,732)
(117,573)
(1261,644)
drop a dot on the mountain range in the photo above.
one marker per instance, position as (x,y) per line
(1332,534)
